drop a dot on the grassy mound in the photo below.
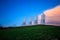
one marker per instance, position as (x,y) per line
(35,32)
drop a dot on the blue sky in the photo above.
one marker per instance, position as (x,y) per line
(12,12)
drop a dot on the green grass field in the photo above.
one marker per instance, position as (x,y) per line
(35,32)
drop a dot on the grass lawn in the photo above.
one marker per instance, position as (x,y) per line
(35,32)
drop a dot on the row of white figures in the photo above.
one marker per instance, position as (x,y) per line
(36,20)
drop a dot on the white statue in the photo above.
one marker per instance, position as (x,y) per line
(36,20)
(43,18)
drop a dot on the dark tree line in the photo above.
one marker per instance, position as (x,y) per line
(1,27)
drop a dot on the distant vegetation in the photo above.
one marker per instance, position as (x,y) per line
(1,27)
(34,32)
